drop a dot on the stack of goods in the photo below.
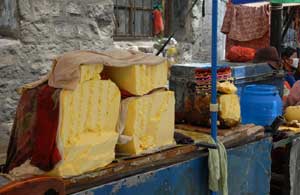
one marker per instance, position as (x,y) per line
(68,131)
(67,123)
(229,105)
(198,107)
(203,78)
(192,86)
(147,116)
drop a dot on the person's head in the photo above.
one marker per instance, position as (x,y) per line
(289,63)
(287,52)
(269,55)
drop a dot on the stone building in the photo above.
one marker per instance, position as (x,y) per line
(33,32)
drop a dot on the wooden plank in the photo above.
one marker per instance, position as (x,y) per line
(125,168)
(238,135)
(241,138)
(135,165)
(221,132)
(35,185)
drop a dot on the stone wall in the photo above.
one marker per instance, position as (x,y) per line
(46,28)
(195,39)
(9,18)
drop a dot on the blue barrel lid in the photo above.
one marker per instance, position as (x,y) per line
(200,65)
(261,89)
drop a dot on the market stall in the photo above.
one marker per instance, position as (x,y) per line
(183,168)
(285,33)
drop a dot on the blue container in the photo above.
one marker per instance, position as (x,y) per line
(246,1)
(260,104)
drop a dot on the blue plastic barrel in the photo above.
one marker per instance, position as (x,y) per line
(246,1)
(260,104)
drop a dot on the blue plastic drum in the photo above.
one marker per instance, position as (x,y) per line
(260,104)
(245,1)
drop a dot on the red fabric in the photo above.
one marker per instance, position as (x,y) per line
(34,131)
(125,94)
(20,144)
(45,153)
(240,54)
(158,23)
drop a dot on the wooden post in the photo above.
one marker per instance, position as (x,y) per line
(276,25)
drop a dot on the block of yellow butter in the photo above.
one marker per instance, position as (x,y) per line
(149,122)
(292,113)
(226,87)
(229,110)
(87,133)
(139,79)
(90,72)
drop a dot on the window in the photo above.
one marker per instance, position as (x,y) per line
(133,18)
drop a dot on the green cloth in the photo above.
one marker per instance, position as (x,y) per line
(285,1)
(217,164)
(217,161)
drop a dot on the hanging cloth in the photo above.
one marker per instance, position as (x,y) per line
(158,23)
(247,26)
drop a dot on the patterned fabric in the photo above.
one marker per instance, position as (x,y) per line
(247,26)
(34,131)
(254,44)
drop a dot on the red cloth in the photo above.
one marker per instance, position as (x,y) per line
(44,152)
(240,54)
(247,26)
(262,42)
(20,144)
(158,23)
(34,131)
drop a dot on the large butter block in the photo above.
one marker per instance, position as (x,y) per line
(87,133)
(149,121)
(139,79)
(230,111)
(87,153)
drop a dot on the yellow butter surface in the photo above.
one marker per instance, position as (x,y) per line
(139,79)
(230,110)
(150,122)
(87,133)
(90,72)
(292,113)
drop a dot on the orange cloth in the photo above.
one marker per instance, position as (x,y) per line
(240,54)
(158,23)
